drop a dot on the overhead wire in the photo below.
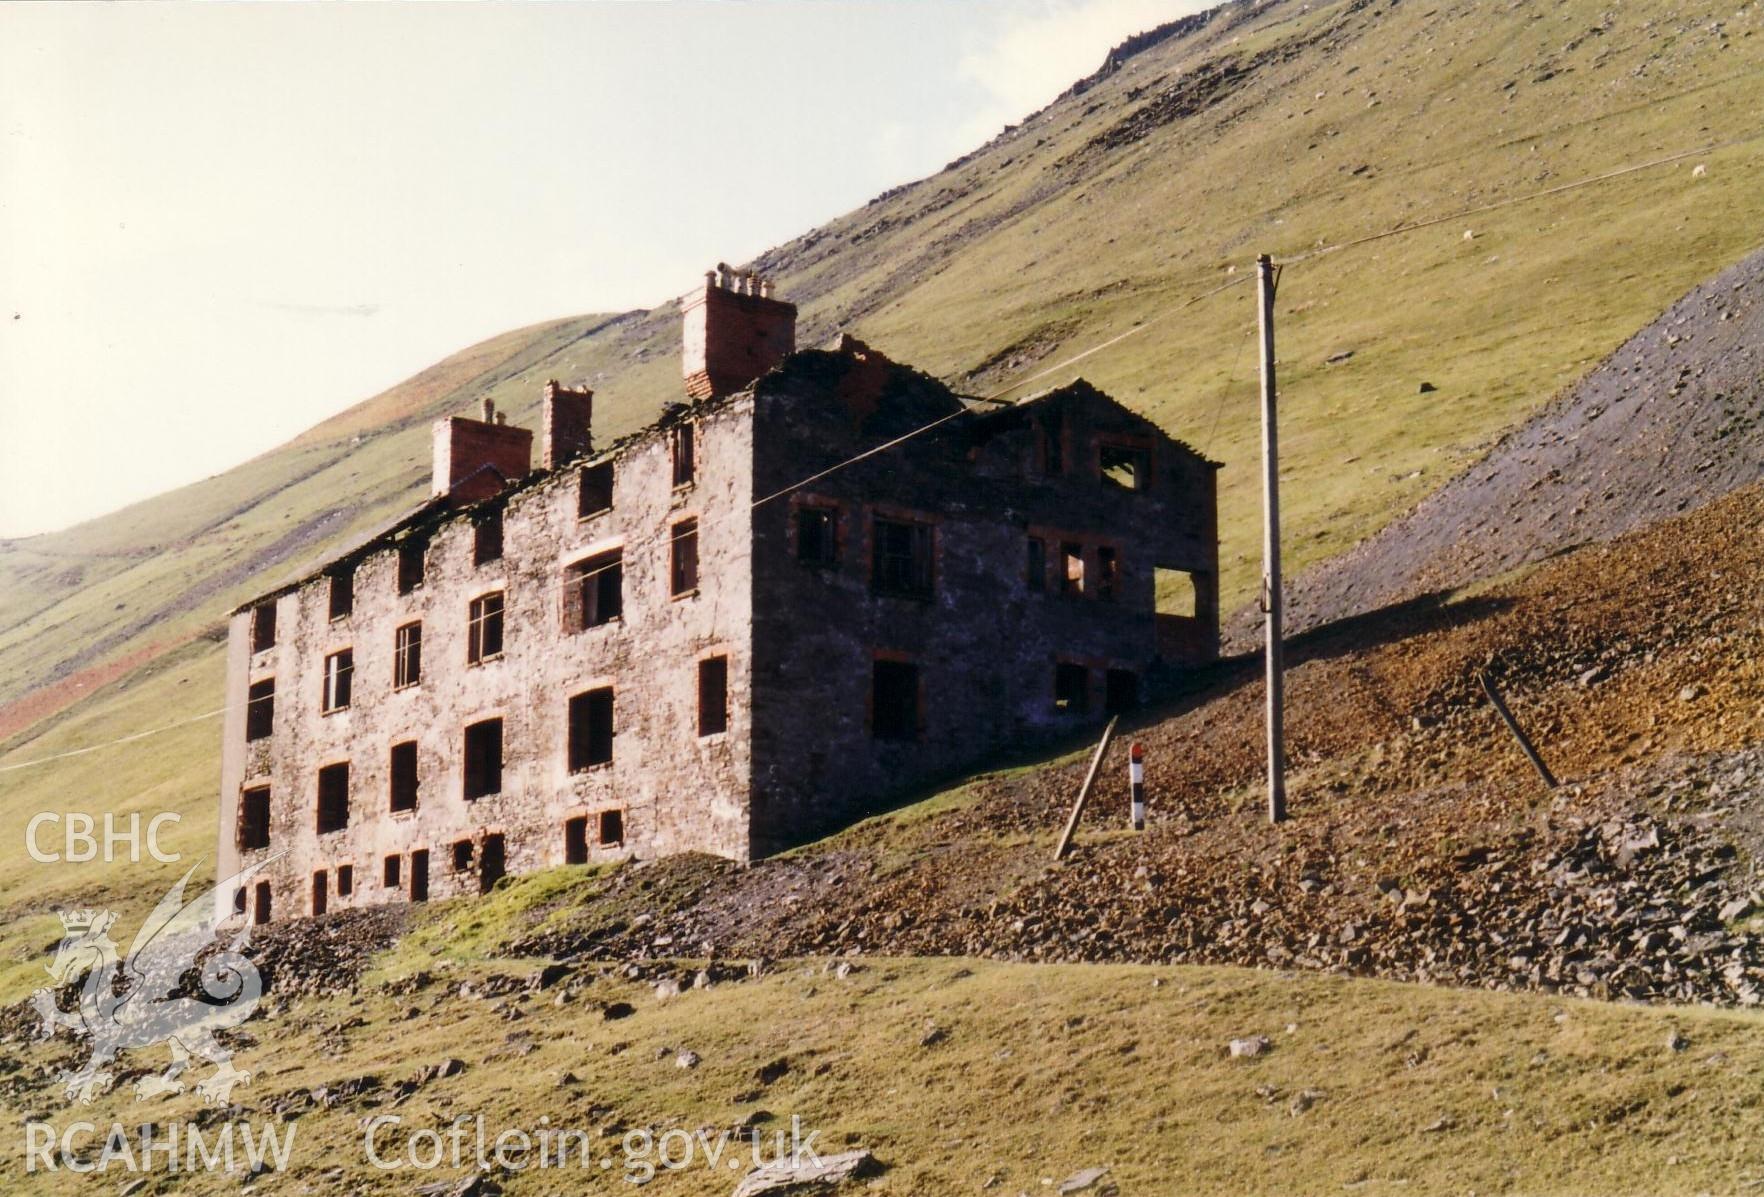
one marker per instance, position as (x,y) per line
(1153,321)
(1514,201)
(141,735)
(577,578)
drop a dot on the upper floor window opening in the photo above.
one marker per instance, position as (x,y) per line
(680,440)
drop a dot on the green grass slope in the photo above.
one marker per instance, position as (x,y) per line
(1279,127)
(965,1076)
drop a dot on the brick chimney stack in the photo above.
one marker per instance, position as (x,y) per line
(565,424)
(734,331)
(476,458)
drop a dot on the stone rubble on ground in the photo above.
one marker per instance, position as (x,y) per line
(1250,1047)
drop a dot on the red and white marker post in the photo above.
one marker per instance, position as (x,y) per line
(1136,774)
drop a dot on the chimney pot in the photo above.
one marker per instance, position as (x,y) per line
(489,410)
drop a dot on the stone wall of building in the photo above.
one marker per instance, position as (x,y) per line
(673,789)
(986,644)
(872,621)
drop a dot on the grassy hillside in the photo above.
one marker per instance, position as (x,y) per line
(1277,128)
(165,569)
(967,1076)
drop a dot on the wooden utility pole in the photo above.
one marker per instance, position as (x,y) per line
(1102,746)
(1266,280)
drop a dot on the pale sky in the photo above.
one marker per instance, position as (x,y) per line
(221,223)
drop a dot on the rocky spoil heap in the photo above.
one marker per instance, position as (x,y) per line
(1422,847)
(1673,420)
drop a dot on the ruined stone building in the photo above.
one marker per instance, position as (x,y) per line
(731,630)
